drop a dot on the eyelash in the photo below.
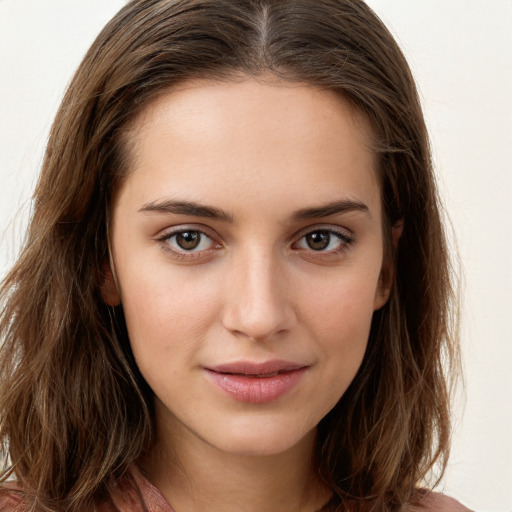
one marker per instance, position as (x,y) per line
(166,238)
(345,241)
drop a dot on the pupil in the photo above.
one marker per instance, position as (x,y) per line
(188,239)
(318,240)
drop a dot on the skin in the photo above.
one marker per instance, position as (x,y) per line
(254,289)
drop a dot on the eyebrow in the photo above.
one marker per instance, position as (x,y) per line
(211,212)
(329,209)
(187,208)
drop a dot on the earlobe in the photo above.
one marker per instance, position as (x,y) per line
(108,288)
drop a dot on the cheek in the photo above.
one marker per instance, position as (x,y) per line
(339,320)
(344,304)
(164,314)
(339,317)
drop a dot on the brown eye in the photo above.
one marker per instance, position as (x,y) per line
(324,240)
(188,240)
(189,245)
(318,240)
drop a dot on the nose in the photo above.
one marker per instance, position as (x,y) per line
(257,304)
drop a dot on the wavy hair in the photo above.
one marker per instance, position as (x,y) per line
(75,411)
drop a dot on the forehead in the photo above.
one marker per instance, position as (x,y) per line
(253,137)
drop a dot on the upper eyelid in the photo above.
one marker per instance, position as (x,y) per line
(180,228)
(331,228)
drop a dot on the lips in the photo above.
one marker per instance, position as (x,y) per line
(256,382)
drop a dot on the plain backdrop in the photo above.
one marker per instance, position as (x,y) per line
(461,54)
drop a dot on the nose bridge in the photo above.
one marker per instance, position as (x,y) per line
(257,304)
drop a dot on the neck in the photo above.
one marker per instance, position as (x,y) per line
(196,477)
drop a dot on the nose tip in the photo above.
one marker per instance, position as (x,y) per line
(258,306)
(257,322)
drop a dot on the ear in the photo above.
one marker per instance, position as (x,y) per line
(387,273)
(396,231)
(108,288)
(384,286)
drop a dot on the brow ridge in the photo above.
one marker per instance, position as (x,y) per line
(195,209)
(187,208)
(334,208)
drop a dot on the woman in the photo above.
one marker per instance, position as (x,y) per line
(235,291)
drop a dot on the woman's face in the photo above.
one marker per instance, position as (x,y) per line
(247,244)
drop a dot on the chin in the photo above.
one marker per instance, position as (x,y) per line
(263,441)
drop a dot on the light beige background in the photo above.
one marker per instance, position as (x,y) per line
(461,54)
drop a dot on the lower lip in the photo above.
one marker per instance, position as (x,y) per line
(255,390)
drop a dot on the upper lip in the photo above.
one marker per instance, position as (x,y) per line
(252,368)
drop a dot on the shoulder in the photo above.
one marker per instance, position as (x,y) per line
(435,502)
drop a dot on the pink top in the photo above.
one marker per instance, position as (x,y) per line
(137,494)
(134,493)
(141,497)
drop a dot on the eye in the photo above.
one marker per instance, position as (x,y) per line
(324,240)
(188,241)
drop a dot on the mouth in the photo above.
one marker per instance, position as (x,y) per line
(256,382)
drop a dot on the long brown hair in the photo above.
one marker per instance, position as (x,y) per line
(75,412)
